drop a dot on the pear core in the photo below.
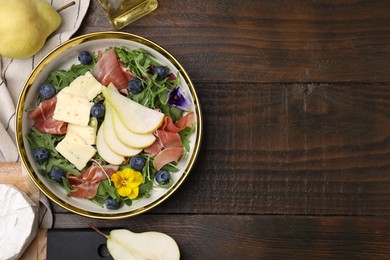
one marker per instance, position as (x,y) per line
(25,26)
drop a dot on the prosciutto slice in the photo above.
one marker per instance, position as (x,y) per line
(185,121)
(43,118)
(180,124)
(170,154)
(109,69)
(154,149)
(168,139)
(168,146)
(86,184)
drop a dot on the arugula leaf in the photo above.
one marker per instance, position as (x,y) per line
(65,184)
(101,191)
(111,190)
(145,189)
(99,200)
(184,135)
(170,167)
(126,201)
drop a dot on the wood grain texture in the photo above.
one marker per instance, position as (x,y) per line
(269,41)
(260,237)
(10,168)
(290,149)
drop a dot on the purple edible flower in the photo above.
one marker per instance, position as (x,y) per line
(177,99)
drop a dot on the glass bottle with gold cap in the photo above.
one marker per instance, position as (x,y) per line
(123,12)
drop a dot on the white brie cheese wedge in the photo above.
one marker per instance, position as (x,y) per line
(88,133)
(84,86)
(18,222)
(72,109)
(73,102)
(76,150)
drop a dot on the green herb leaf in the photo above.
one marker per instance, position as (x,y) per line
(184,135)
(170,167)
(145,189)
(127,201)
(111,190)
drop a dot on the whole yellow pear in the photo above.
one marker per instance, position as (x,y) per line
(25,26)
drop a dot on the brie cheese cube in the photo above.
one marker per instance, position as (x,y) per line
(18,222)
(72,109)
(76,150)
(84,86)
(88,133)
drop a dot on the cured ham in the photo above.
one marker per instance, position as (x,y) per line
(167,155)
(164,139)
(185,121)
(126,72)
(154,149)
(168,146)
(86,184)
(180,124)
(168,139)
(43,118)
(109,69)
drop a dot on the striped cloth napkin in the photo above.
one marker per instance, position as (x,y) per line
(14,73)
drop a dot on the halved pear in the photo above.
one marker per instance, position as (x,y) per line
(124,245)
(111,138)
(137,118)
(104,150)
(128,137)
(146,245)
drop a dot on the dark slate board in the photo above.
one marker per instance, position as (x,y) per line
(86,244)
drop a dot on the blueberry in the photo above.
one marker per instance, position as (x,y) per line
(135,86)
(98,110)
(85,58)
(137,162)
(47,91)
(161,71)
(163,177)
(41,154)
(112,203)
(56,174)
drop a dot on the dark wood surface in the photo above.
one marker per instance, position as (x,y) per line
(295,159)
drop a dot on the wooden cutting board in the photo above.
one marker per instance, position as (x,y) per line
(11,173)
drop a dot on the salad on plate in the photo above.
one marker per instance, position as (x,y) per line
(112,127)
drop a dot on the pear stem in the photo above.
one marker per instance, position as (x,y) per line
(97,230)
(65,6)
(104,171)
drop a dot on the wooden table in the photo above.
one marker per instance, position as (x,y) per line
(295,159)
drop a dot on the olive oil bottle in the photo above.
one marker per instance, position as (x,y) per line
(123,12)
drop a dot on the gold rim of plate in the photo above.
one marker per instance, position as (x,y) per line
(28,85)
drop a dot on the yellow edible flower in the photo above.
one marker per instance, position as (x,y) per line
(127,182)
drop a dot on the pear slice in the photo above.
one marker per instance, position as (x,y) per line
(104,150)
(135,117)
(124,245)
(111,138)
(128,137)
